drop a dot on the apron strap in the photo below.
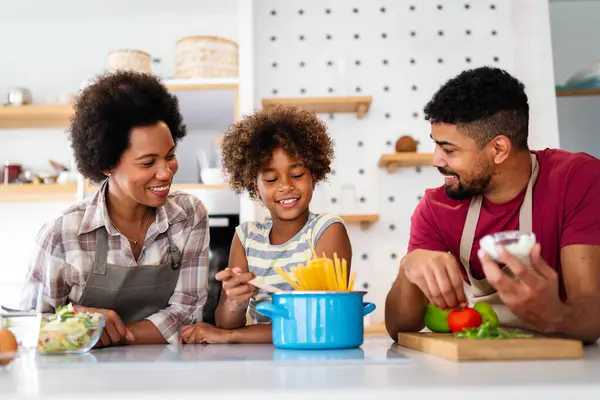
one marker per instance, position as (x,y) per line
(526,212)
(99,265)
(525,217)
(468,234)
(174,251)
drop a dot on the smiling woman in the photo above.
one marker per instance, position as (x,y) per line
(97,253)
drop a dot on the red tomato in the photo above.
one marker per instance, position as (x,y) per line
(465,318)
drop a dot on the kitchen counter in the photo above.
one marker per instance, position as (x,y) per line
(379,368)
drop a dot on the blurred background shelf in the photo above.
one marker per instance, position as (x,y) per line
(194,186)
(376,330)
(577,92)
(201,84)
(325,105)
(35,116)
(37,192)
(194,94)
(398,160)
(365,220)
(90,188)
(68,192)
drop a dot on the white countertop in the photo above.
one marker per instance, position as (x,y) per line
(244,372)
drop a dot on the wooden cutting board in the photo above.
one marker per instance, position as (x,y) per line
(536,348)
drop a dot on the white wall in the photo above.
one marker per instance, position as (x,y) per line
(52,47)
(187,154)
(19,224)
(575,37)
(61,43)
(532,46)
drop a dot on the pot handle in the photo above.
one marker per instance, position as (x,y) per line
(369,308)
(271,310)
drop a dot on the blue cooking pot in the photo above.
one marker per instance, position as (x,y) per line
(316,319)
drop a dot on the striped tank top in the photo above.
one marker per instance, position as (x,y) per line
(263,257)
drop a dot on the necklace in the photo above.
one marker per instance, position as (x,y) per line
(135,242)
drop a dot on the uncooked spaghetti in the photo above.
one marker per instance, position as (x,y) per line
(320,274)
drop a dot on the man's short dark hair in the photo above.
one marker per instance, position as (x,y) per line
(483,103)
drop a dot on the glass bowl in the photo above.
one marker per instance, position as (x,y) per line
(21,310)
(516,243)
(68,338)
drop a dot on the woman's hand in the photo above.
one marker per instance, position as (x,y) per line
(201,332)
(114,332)
(236,287)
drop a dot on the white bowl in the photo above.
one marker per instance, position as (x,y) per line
(516,243)
(212,176)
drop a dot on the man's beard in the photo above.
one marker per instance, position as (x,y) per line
(466,190)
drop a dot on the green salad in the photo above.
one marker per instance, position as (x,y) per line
(69,331)
(487,331)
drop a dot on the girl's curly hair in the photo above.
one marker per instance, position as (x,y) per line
(249,144)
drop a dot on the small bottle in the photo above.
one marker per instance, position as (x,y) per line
(5,173)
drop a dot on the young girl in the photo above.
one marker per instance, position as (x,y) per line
(278,156)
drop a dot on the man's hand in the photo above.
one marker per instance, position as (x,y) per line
(534,295)
(201,332)
(114,332)
(235,286)
(438,277)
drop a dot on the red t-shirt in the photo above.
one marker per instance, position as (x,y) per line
(566,211)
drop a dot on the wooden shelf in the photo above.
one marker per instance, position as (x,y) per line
(89,188)
(398,160)
(58,116)
(196,186)
(35,116)
(37,193)
(325,105)
(201,84)
(376,330)
(363,219)
(577,92)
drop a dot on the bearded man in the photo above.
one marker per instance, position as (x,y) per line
(493,183)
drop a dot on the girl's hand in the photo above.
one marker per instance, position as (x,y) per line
(201,333)
(235,285)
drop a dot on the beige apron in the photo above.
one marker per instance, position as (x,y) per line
(481,290)
(133,292)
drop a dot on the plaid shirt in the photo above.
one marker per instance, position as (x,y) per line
(65,251)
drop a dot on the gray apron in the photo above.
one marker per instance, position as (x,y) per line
(133,292)
(480,289)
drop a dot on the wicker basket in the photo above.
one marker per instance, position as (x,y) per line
(206,57)
(129,59)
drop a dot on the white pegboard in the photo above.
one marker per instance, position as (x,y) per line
(399,52)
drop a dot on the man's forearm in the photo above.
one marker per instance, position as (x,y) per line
(405,308)
(145,332)
(581,319)
(252,334)
(230,316)
(405,304)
